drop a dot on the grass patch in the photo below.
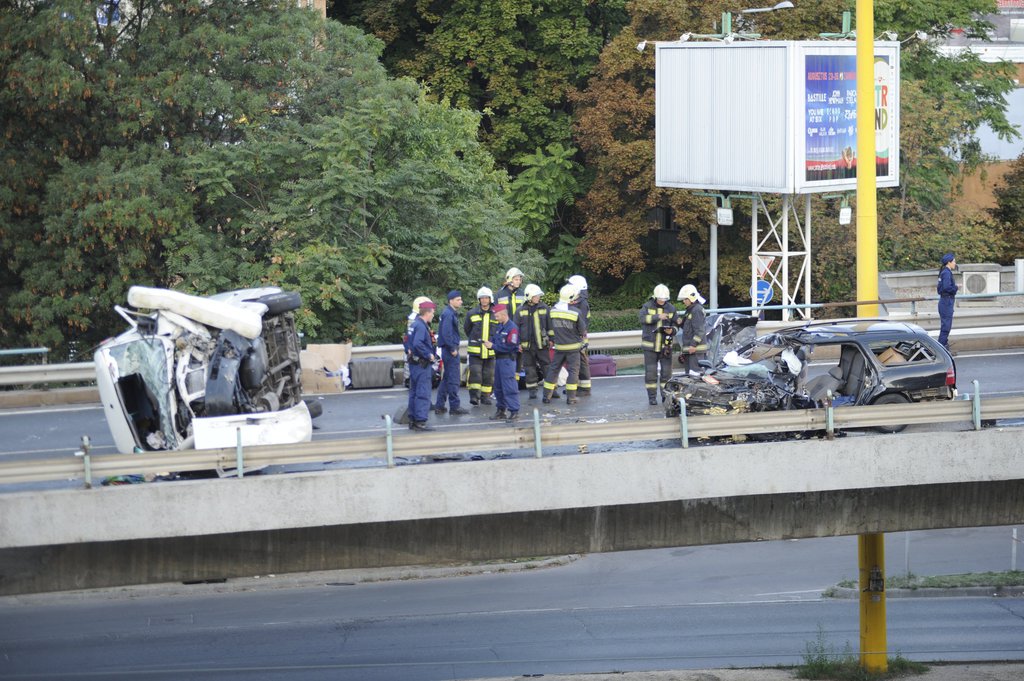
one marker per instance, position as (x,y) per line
(912,581)
(821,661)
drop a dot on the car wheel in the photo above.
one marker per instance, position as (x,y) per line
(279,303)
(315,408)
(891,398)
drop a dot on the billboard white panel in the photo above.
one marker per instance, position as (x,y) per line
(769,116)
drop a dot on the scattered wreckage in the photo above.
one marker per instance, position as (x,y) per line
(864,362)
(192,371)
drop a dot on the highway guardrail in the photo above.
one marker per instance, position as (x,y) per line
(529,435)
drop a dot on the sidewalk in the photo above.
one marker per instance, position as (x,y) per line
(952,672)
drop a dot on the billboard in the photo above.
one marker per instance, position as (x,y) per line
(770,116)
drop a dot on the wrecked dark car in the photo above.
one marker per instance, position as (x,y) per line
(857,362)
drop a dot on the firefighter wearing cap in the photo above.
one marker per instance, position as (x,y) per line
(583,305)
(533,338)
(566,330)
(657,324)
(504,342)
(448,340)
(693,337)
(421,367)
(477,327)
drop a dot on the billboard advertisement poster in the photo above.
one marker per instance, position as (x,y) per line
(830,119)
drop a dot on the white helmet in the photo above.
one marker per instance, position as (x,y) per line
(532,290)
(484,292)
(513,272)
(568,293)
(416,303)
(661,292)
(689,292)
(579,282)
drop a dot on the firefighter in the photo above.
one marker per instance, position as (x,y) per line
(566,330)
(692,339)
(477,327)
(448,340)
(657,324)
(421,367)
(504,342)
(583,305)
(512,296)
(533,338)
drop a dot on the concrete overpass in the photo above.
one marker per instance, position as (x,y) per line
(468,511)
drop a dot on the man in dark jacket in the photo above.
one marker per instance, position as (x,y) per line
(946,288)
(657,324)
(448,339)
(505,343)
(478,326)
(583,305)
(421,367)
(566,333)
(692,339)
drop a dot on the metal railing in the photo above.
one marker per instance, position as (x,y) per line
(536,436)
(610,340)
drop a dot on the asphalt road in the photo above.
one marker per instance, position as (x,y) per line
(56,432)
(718,606)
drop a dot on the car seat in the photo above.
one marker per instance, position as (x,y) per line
(818,387)
(855,378)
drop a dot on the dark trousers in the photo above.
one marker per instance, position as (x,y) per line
(571,360)
(506,384)
(449,387)
(481,376)
(535,363)
(584,382)
(945,319)
(420,378)
(652,362)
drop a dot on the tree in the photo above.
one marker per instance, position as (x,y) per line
(213,145)
(1009,211)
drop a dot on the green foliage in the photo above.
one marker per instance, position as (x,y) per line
(1009,211)
(821,661)
(216,145)
(546,181)
(563,262)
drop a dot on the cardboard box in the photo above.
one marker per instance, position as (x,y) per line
(891,356)
(320,360)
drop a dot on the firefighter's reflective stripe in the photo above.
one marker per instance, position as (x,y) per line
(475,346)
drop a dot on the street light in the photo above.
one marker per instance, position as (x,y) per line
(785,4)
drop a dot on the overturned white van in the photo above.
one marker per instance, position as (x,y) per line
(192,372)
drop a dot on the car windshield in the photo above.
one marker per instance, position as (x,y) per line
(146,359)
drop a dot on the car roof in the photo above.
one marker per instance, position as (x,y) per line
(860,329)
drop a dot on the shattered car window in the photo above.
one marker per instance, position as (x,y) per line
(147,359)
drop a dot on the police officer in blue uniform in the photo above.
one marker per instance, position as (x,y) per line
(946,288)
(505,344)
(421,367)
(448,339)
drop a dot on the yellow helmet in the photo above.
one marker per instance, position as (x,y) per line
(513,272)
(532,290)
(484,292)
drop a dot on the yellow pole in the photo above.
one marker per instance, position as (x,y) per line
(867,211)
(873,639)
(870,547)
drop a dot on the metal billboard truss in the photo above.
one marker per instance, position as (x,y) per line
(785,244)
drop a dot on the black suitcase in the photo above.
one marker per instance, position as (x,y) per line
(371,372)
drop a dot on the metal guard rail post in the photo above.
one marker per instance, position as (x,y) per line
(522,438)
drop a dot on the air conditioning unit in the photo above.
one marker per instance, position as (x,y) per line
(977,282)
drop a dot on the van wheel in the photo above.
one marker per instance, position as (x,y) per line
(891,398)
(281,302)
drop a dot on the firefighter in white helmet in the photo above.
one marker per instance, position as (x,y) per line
(583,304)
(657,329)
(693,339)
(533,338)
(511,294)
(477,326)
(566,332)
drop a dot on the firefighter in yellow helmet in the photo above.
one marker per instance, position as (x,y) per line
(657,324)
(566,331)
(477,326)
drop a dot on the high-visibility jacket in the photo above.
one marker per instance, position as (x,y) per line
(513,299)
(651,337)
(566,327)
(478,329)
(533,325)
(583,305)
